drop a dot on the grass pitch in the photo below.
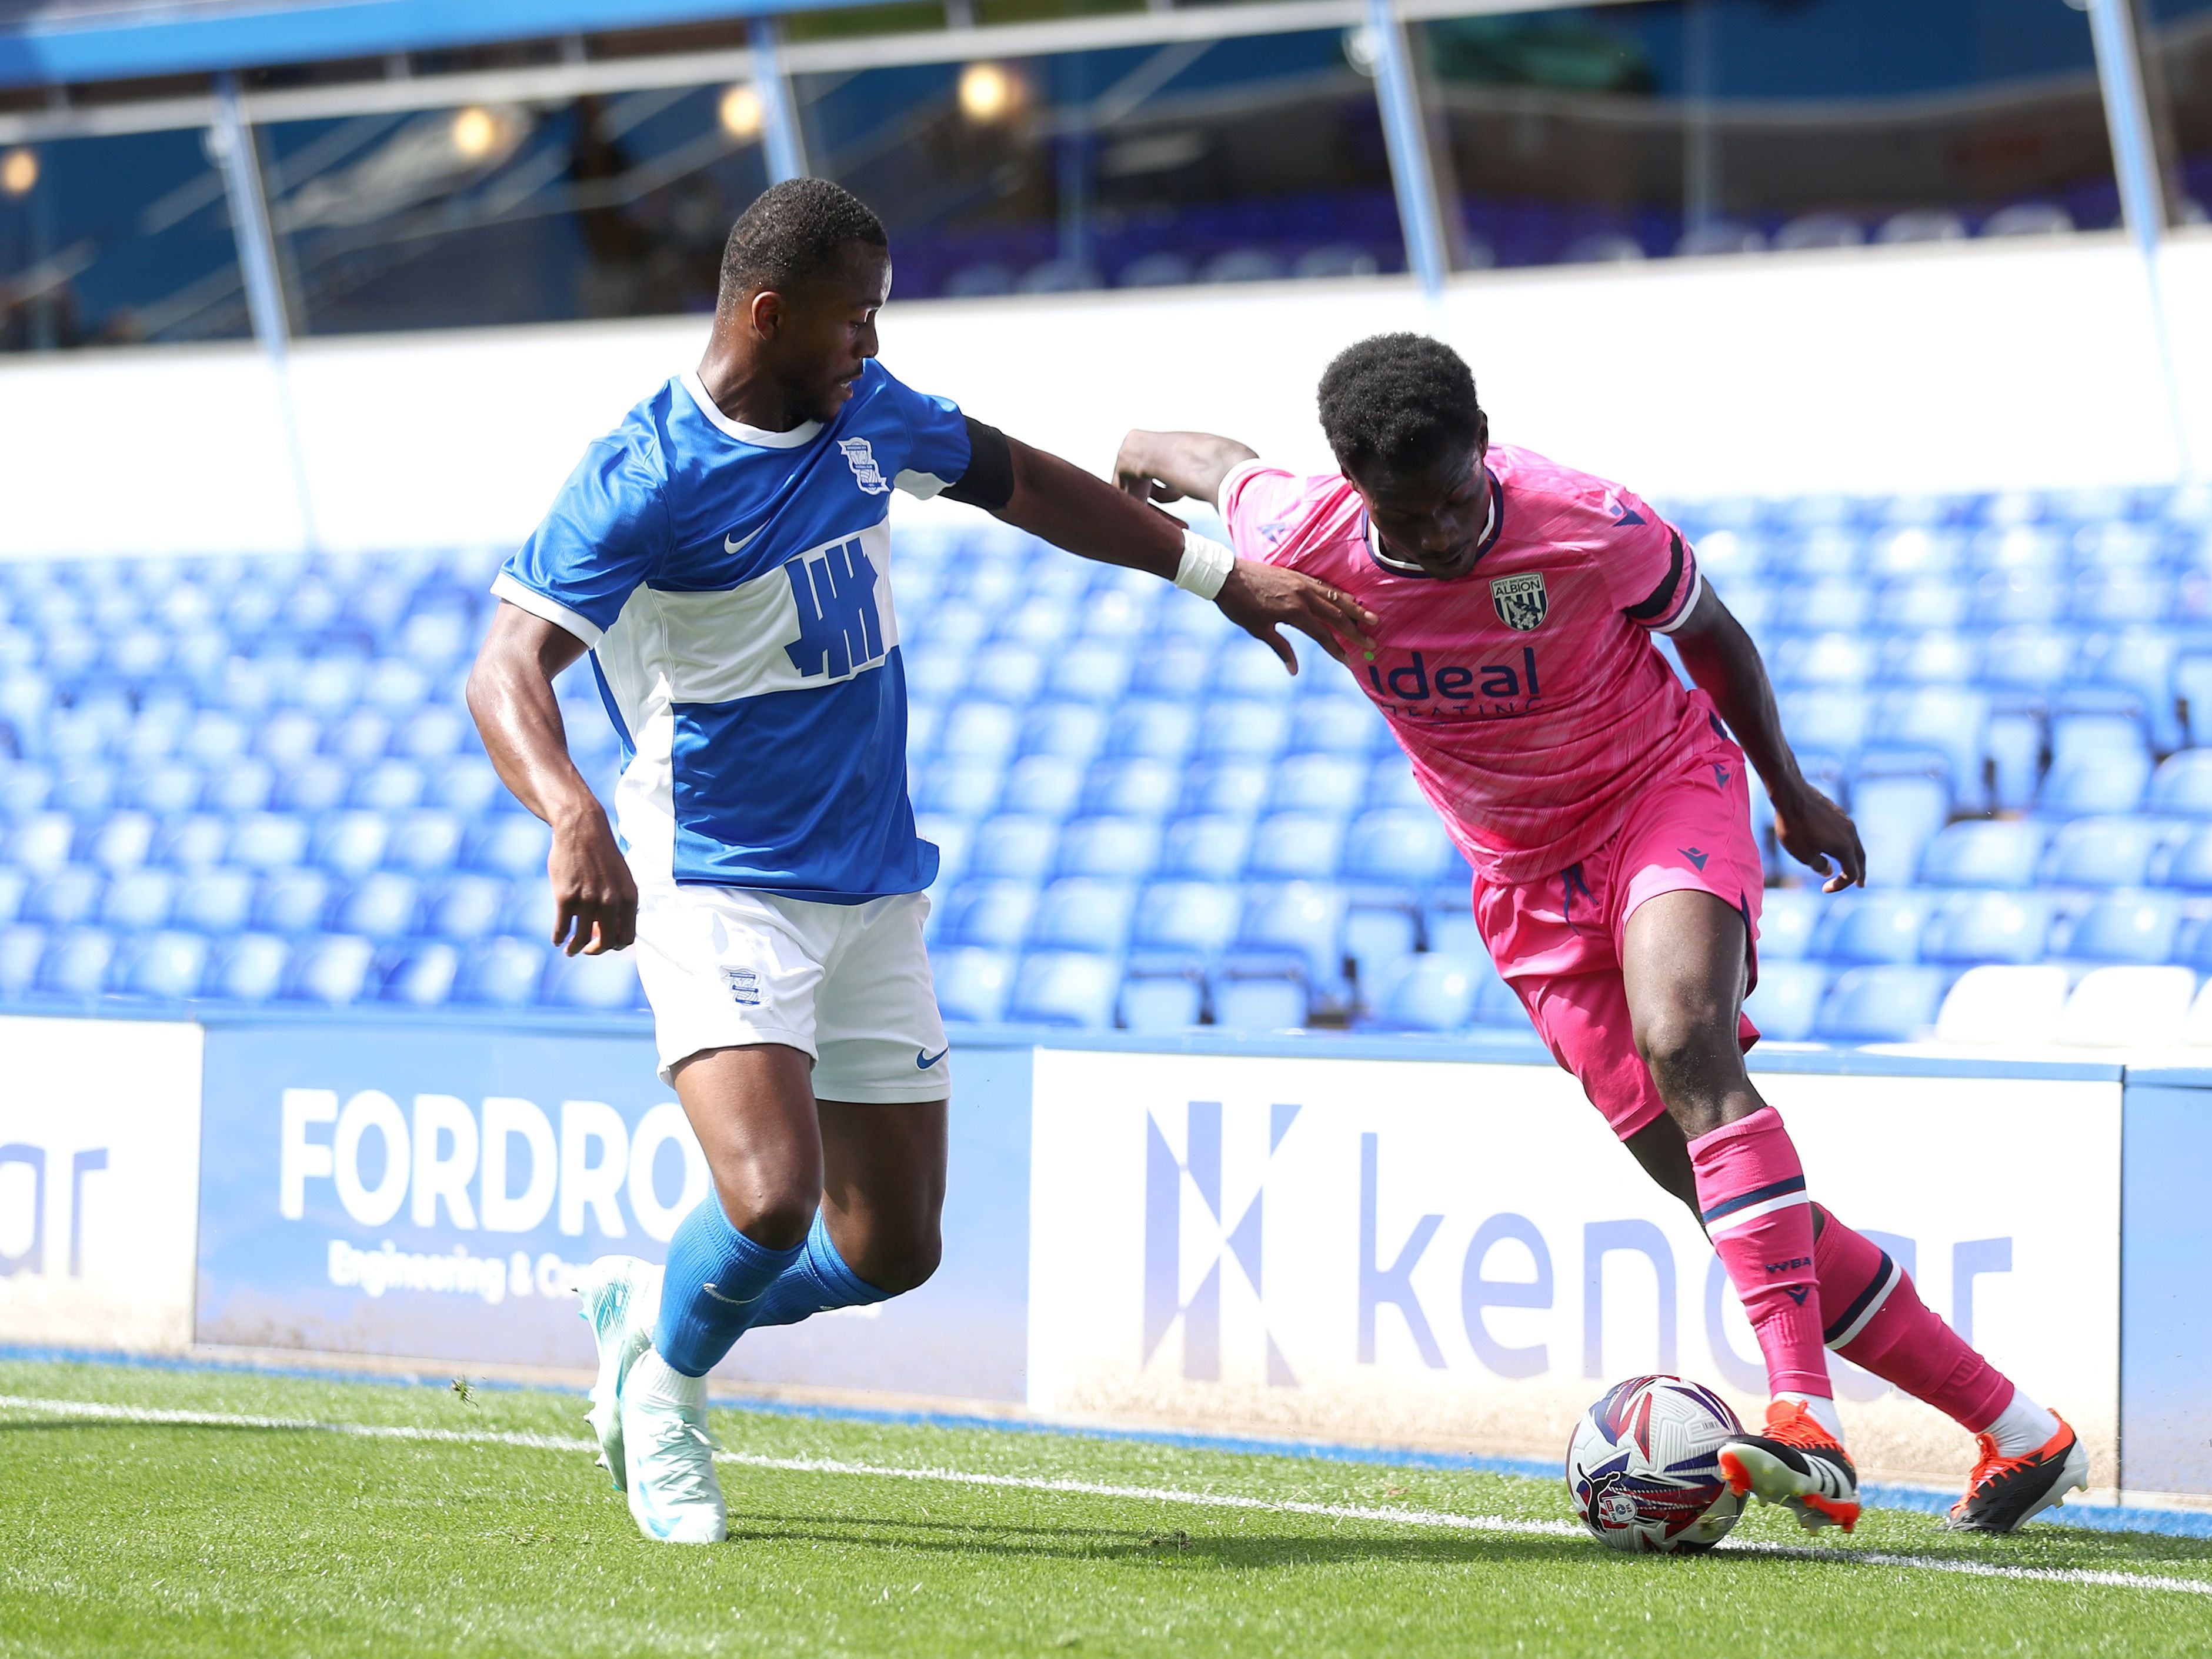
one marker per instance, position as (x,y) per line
(145,1511)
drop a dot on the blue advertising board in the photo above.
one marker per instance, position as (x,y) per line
(428,1190)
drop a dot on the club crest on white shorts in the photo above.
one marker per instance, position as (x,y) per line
(744,986)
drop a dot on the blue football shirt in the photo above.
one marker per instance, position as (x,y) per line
(734,586)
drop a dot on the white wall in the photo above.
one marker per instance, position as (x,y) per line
(1969,365)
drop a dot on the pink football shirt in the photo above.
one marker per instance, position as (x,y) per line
(1528,692)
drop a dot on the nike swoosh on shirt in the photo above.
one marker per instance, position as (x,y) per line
(922,1061)
(732,545)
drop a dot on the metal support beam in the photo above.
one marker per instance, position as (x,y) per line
(232,140)
(1407,135)
(2143,197)
(780,135)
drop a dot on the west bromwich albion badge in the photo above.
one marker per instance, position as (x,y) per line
(1520,600)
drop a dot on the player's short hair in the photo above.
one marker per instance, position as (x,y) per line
(1402,400)
(794,233)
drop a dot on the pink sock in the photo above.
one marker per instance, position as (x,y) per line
(1877,1320)
(1751,1193)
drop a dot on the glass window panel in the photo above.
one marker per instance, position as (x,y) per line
(112,240)
(1640,130)
(2176,37)
(1205,160)
(613,206)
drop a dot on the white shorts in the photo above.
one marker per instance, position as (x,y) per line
(849,984)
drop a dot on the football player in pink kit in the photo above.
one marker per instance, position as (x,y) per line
(1604,807)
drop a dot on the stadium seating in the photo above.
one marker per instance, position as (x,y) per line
(254,782)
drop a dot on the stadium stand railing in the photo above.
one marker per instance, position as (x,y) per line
(251,781)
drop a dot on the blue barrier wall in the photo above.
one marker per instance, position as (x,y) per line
(2166,1249)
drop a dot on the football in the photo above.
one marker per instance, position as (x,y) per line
(1643,1467)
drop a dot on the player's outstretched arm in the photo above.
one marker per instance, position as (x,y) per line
(511,695)
(1721,659)
(1058,502)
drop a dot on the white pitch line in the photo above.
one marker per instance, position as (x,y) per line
(1440,1519)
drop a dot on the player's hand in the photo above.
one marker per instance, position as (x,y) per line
(1262,599)
(594,899)
(1132,471)
(1816,832)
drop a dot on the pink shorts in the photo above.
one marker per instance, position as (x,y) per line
(1558,941)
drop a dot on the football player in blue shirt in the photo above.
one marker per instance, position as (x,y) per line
(724,554)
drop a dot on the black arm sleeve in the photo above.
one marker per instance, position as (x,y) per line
(989,483)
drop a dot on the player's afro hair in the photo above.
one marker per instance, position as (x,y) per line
(794,233)
(1398,400)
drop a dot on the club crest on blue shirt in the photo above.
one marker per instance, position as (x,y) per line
(1520,600)
(862,460)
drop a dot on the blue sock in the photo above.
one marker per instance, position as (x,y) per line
(818,1281)
(713,1289)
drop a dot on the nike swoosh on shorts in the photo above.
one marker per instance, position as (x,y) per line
(922,1061)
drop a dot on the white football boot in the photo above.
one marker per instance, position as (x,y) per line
(622,1299)
(673,1493)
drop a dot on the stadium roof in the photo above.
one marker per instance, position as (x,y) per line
(44,42)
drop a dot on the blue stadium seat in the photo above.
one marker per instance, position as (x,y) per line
(1084,914)
(1259,1002)
(1397,846)
(981,732)
(1066,988)
(1161,1002)
(287,737)
(2126,927)
(958,788)
(1227,789)
(1041,786)
(1827,718)
(1879,925)
(1327,783)
(1334,725)
(291,902)
(333,970)
(139,901)
(1137,788)
(992,913)
(973,983)
(1897,817)
(123,841)
(267,841)
(1243,729)
(1007,671)
(240,786)
(512,844)
(351,843)
(501,972)
(422,976)
(1090,671)
(1428,992)
(1975,927)
(1296,847)
(606,983)
(465,786)
(1987,853)
(26,786)
(432,733)
(1787,919)
(2029,659)
(1123,849)
(166,789)
(1786,1001)
(1011,848)
(70,896)
(1208,849)
(1884,1004)
(1245,667)
(21,945)
(314,785)
(14,885)
(41,842)
(1302,920)
(2102,852)
(215,902)
(1195,920)
(1391,784)
(382,905)
(2095,734)
(1172,669)
(427,841)
(167,965)
(2189,866)
(464,907)
(2182,785)
(2088,783)
(1376,935)
(77,962)
(529,912)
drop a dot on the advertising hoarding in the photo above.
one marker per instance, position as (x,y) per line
(1460,1254)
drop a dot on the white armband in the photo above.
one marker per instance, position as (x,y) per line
(1206,565)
